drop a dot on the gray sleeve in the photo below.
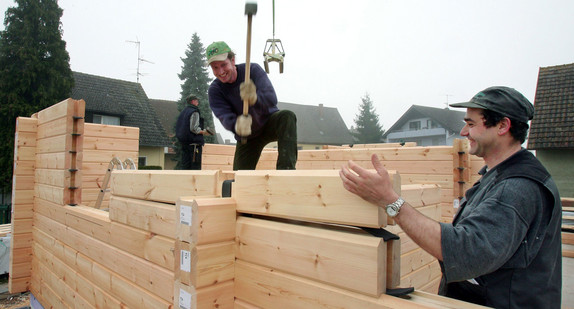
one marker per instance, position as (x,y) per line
(491,231)
(194,123)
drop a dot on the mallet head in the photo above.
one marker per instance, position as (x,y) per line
(250,8)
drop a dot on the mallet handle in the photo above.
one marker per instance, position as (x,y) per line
(248,61)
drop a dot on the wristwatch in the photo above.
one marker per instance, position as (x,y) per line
(394,208)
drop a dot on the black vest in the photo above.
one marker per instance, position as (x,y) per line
(182,131)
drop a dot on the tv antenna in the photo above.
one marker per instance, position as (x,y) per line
(140,59)
(447,95)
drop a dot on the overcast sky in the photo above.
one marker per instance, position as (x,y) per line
(400,52)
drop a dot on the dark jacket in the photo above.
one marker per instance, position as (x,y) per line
(182,130)
(507,237)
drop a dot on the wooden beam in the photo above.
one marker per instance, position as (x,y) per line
(205,220)
(268,288)
(163,186)
(155,217)
(316,195)
(350,260)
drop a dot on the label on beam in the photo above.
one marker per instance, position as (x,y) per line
(185,215)
(185,261)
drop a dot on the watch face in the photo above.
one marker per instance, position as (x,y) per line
(391,211)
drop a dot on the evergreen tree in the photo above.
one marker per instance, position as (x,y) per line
(34,69)
(367,127)
(195,80)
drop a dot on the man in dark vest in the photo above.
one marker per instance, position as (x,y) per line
(189,131)
(503,248)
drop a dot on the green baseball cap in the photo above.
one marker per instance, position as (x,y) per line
(503,100)
(217,51)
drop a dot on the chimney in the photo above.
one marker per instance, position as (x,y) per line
(320,110)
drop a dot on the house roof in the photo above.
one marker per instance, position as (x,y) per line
(121,98)
(451,120)
(318,124)
(167,113)
(553,124)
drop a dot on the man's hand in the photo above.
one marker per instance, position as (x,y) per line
(243,125)
(248,91)
(375,188)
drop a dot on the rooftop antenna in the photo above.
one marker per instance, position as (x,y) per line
(140,59)
(447,95)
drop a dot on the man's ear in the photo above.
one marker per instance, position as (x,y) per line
(504,126)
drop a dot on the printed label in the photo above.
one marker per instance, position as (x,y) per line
(185,261)
(184,299)
(185,215)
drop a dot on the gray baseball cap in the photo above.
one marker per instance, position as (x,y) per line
(503,100)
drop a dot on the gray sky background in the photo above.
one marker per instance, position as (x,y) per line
(400,52)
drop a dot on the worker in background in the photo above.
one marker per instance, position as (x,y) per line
(189,131)
(264,124)
(503,248)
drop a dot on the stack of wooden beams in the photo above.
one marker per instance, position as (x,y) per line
(22,204)
(101,144)
(451,167)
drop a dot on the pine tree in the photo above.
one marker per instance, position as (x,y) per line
(34,69)
(195,80)
(367,127)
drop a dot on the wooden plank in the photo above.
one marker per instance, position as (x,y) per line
(26,124)
(316,195)
(51,193)
(24,168)
(58,178)
(268,288)
(60,143)
(143,273)
(348,260)
(424,298)
(434,153)
(155,217)
(110,143)
(23,197)
(102,130)
(24,153)
(205,220)
(21,182)
(55,127)
(61,109)
(25,139)
(221,150)
(53,160)
(163,186)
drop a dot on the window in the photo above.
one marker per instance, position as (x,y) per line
(105,119)
(414,125)
(431,124)
(142,161)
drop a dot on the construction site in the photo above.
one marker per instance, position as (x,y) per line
(89,230)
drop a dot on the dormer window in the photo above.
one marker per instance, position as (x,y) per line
(105,119)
